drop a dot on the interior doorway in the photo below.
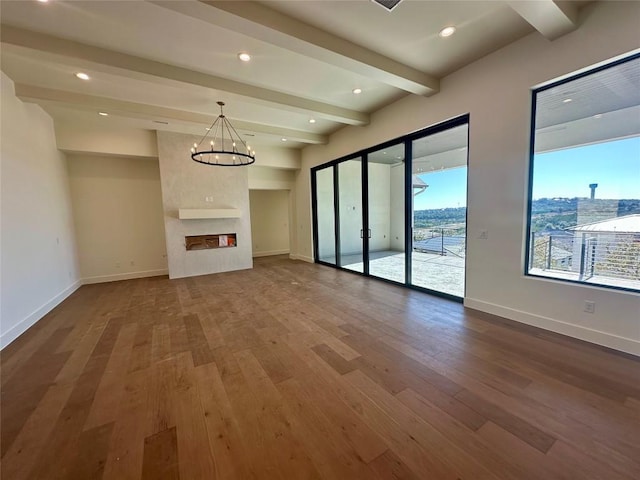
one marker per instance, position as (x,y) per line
(270,222)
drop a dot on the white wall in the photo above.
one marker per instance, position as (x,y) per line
(269,222)
(381,211)
(106,139)
(277,157)
(266,178)
(326,216)
(350,207)
(39,267)
(397,208)
(496,91)
(188,184)
(117,207)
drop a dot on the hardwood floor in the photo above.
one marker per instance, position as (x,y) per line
(298,371)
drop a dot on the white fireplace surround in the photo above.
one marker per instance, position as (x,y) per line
(186,183)
(208,213)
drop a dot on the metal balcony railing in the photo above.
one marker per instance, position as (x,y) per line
(615,255)
(440,241)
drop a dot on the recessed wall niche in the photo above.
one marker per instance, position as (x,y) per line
(204,242)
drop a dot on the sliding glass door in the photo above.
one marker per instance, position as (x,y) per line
(398,211)
(350,214)
(325,227)
(386,213)
(439,198)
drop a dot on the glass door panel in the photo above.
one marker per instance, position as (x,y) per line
(439,178)
(385,169)
(350,214)
(326,227)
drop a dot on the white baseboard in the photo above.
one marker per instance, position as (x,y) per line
(623,344)
(19,328)
(270,253)
(304,258)
(124,276)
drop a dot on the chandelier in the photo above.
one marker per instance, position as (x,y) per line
(227,149)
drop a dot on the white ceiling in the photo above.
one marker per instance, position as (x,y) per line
(170,61)
(599,107)
(409,34)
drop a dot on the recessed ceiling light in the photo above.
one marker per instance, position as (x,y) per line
(567,100)
(103,114)
(312,120)
(283,139)
(357,91)
(43,1)
(207,128)
(244,56)
(82,76)
(447,31)
(597,115)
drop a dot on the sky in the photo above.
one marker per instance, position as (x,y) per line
(614,166)
(447,188)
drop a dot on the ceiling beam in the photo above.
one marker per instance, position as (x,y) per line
(263,23)
(551,18)
(131,65)
(42,95)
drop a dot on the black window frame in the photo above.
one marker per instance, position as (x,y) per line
(407,141)
(532,136)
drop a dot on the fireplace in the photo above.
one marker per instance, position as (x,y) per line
(203,242)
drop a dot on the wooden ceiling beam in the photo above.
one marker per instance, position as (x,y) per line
(135,67)
(152,112)
(258,21)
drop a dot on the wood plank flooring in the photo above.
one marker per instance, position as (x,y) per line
(298,371)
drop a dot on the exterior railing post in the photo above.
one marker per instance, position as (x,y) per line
(583,259)
(533,250)
(594,245)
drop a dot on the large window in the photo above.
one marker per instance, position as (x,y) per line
(584,209)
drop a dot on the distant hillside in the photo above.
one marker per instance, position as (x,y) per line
(439,217)
(548,214)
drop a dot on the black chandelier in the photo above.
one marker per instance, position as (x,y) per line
(227,147)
